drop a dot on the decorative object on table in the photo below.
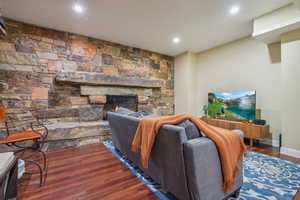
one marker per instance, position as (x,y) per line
(205,110)
(259,122)
(36,134)
(258,113)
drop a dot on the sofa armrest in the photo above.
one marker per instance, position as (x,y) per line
(203,170)
(166,163)
(167,154)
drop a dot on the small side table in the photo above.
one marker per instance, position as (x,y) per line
(8,175)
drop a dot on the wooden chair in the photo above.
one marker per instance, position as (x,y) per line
(37,134)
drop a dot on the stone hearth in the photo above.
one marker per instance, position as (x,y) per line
(72,134)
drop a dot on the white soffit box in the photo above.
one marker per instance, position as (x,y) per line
(268,28)
(297,3)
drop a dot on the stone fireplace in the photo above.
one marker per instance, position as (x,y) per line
(113,102)
(106,92)
(72,80)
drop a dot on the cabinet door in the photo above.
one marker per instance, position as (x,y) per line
(265,131)
(255,132)
(259,132)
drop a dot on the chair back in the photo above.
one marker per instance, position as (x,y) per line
(2,114)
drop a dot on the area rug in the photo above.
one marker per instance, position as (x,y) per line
(265,177)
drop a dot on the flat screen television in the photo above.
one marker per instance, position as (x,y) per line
(240,106)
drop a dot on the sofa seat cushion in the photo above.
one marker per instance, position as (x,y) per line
(6,160)
(191,130)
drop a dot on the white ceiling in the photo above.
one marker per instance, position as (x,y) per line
(147,24)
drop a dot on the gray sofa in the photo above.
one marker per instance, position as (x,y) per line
(188,169)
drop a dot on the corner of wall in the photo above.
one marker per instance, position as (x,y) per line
(185,83)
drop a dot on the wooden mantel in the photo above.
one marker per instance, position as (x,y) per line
(92,78)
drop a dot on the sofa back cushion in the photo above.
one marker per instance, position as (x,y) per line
(124,111)
(191,130)
(139,114)
(142,114)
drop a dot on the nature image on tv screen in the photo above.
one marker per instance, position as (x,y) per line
(232,105)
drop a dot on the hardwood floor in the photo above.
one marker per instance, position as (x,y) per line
(92,172)
(84,173)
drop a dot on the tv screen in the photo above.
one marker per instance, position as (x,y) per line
(239,106)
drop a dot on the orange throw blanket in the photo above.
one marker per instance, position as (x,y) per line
(230,146)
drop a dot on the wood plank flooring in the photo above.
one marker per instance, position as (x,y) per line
(92,172)
(85,173)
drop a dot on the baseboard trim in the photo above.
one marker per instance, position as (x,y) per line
(273,143)
(290,152)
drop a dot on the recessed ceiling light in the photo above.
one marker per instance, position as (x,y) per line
(176,40)
(78,8)
(234,10)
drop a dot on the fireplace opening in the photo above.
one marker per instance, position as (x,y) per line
(113,102)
